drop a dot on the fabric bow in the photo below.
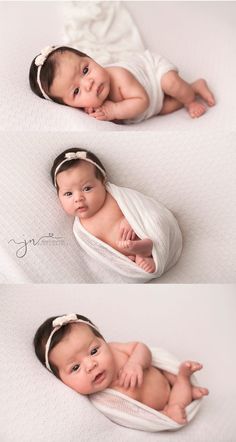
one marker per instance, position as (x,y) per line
(40,59)
(62,320)
(76,155)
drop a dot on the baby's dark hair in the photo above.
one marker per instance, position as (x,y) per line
(48,72)
(71,163)
(43,333)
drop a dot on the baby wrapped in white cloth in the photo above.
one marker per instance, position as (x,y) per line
(128,412)
(130,233)
(148,69)
(131,384)
(149,219)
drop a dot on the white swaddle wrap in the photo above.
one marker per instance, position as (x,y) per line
(149,219)
(148,69)
(133,414)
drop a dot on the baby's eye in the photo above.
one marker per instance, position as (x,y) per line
(75,367)
(68,194)
(85,70)
(87,188)
(76,91)
(94,351)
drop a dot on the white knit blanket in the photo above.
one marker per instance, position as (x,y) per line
(133,414)
(149,219)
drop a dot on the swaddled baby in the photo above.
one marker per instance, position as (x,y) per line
(73,349)
(134,90)
(84,193)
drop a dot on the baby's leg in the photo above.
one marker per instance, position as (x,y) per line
(170,105)
(201,88)
(173,85)
(197,392)
(181,393)
(142,247)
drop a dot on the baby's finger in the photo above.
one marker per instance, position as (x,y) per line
(101,117)
(133,235)
(133,381)
(127,381)
(140,378)
(122,234)
(127,234)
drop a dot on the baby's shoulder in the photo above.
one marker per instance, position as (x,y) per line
(119,73)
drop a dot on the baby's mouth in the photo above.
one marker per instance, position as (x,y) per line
(100,89)
(99,377)
(81,209)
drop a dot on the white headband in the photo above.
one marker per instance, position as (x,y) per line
(39,61)
(76,156)
(57,324)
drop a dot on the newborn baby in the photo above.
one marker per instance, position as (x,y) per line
(80,180)
(132,91)
(72,348)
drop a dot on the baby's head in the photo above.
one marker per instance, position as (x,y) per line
(73,349)
(68,76)
(79,178)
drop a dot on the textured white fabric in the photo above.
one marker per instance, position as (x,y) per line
(165,27)
(193,176)
(102,29)
(149,219)
(148,69)
(128,412)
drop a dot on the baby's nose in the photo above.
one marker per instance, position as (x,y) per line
(90,364)
(78,196)
(88,83)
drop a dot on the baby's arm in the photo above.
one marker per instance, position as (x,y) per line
(139,358)
(132,101)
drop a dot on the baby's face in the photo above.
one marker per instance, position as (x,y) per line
(85,362)
(81,193)
(80,81)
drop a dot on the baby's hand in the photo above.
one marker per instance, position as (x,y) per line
(89,110)
(126,231)
(105,112)
(131,375)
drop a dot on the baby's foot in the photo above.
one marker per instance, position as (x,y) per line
(177,413)
(201,88)
(198,392)
(142,247)
(187,368)
(196,109)
(147,264)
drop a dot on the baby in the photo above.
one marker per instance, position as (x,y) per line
(73,349)
(130,92)
(80,180)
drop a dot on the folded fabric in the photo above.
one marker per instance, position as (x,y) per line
(148,69)
(128,412)
(103,30)
(149,219)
